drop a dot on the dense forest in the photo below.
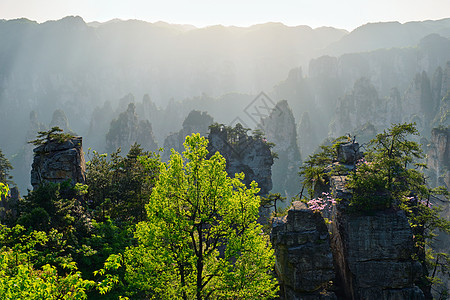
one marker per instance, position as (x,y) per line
(159,161)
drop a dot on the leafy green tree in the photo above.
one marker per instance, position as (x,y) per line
(21,279)
(54,205)
(4,190)
(391,177)
(119,187)
(58,210)
(389,172)
(200,239)
(54,134)
(318,168)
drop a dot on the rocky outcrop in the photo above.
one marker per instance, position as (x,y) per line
(307,138)
(348,153)
(98,126)
(372,255)
(23,160)
(355,109)
(445,85)
(59,119)
(195,122)
(438,162)
(443,116)
(243,153)
(424,100)
(279,128)
(127,129)
(57,162)
(438,156)
(304,262)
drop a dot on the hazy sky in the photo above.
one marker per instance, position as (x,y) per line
(347,14)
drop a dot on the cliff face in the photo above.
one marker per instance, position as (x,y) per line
(366,256)
(438,161)
(195,122)
(246,154)
(57,162)
(373,255)
(280,129)
(127,129)
(422,102)
(360,106)
(23,160)
(438,156)
(304,263)
(59,119)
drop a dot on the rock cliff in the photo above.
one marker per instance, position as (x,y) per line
(307,137)
(243,153)
(367,256)
(423,100)
(279,128)
(438,162)
(195,122)
(57,162)
(59,119)
(438,156)
(304,262)
(127,129)
(372,255)
(356,108)
(23,160)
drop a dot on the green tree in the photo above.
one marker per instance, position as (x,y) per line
(4,190)
(318,168)
(55,205)
(54,134)
(391,177)
(201,239)
(119,187)
(21,279)
(390,171)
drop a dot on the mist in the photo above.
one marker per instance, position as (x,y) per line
(90,72)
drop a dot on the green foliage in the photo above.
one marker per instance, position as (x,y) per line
(19,279)
(58,210)
(119,187)
(388,174)
(318,167)
(4,190)
(390,177)
(200,239)
(271,201)
(313,169)
(54,205)
(54,134)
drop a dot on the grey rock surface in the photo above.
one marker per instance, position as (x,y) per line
(304,262)
(372,254)
(248,155)
(127,129)
(195,122)
(438,156)
(279,128)
(57,162)
(348,153)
